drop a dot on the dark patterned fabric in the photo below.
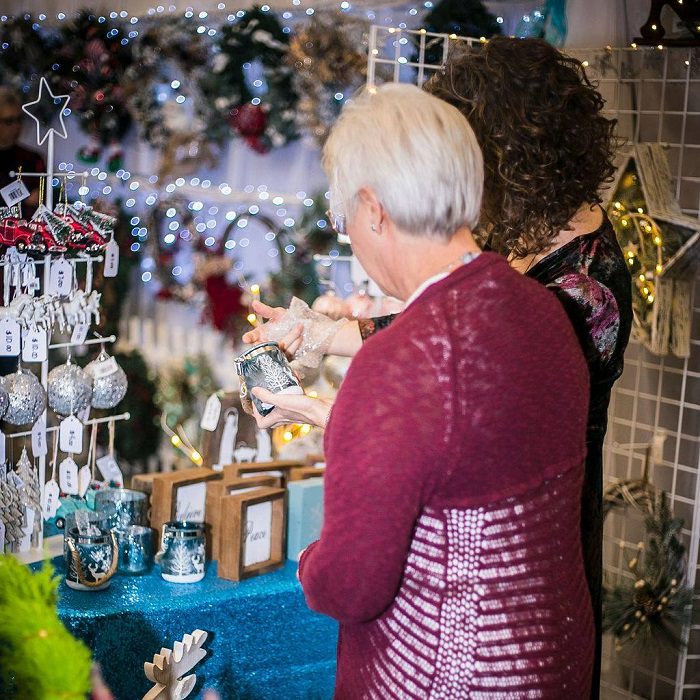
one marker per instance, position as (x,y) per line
(590,277)
(369,326)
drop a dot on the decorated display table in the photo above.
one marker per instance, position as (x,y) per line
(263,641)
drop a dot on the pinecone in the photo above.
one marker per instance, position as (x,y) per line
(646,602)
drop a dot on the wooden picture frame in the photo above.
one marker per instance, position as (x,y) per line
(252,543)
(166,489)
(216,490)
(279,468)
(301,473)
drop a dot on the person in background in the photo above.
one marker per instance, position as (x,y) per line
(12,155)
(548,150)
(450,548)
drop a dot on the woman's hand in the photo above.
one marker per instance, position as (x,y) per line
(289,344)
(292,408)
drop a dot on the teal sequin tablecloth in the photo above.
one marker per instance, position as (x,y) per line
(263,640)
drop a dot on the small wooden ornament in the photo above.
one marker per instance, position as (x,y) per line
(279,468)
(169,667)
(306,473)
(238,533)
(216,490)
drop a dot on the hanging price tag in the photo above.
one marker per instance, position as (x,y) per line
(51,502)
(34,345)
(79,333)
(39,444)
(111,259)
(110,469)
(10,337)
(2,447)
(84,478)
(100,370)
(68,476)
(14,193)
(212,411)
(71,436)
(61,278)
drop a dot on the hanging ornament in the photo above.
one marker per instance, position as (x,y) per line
(27,398)
(4,398)
(30,492)
(109,381)
(70,389)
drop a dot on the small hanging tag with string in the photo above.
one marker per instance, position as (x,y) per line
(68,476)
(108,464)
(14,193)
(87,471)
(51,490)
(61,278)
(111,254)
(34,345)
(39,444)
(2,447)
(10,337)
(71,435)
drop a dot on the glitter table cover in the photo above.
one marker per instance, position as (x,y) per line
(263,640)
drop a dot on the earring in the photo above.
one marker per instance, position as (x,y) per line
(374,227)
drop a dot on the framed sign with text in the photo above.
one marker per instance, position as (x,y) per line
(216,490)
(252,533)
(181,495)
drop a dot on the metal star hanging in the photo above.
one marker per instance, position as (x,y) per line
(56,104)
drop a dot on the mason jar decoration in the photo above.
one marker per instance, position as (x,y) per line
(265,366)
(91,559)
(135,549)
(181,556)
(131,506)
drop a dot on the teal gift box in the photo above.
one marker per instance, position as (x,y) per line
(305,514)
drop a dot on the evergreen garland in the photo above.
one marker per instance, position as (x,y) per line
(39,659)
(651,607)
(265,113)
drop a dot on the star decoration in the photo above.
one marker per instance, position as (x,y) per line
(59,102)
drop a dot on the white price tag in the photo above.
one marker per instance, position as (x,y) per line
(35,345)
(111,259)
(110,469)
(61,278)
(212,411)
(68,476)
(2,537)
(2,447)
(71,436)
(51,502)
(40,447)
(79,333)
(27,528)
(14,193)
(84,478)
(100,370)
(10,337)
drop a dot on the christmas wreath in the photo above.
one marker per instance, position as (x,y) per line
(250,84)
(329,59)
(92,56)
(162,86)
(25,55)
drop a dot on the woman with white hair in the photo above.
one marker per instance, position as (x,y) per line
(450,550)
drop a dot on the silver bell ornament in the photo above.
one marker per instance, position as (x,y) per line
(27,398)
(109,381)
(70,389)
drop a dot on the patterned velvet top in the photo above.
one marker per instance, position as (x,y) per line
(450,545)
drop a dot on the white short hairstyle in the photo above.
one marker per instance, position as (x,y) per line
(417,153)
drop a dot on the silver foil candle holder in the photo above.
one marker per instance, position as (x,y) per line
(135,545)
(91,559)
(181,556)
(266,366)
(131,506)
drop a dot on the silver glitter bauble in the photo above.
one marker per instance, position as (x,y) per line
(109,381)
(27,398)
(70,389)
(4,398)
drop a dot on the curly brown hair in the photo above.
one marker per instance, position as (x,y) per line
(547,148)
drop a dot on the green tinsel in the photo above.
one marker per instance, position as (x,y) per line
(39,659)
(651,607)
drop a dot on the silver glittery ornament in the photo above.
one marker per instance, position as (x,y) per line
(109,381)
(70,389)
(4,398)
(27,398)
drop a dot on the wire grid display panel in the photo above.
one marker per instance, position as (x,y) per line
(655,96)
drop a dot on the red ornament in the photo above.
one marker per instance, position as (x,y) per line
(224,302)
(249,120)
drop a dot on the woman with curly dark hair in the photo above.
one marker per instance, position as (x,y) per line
(547,151)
